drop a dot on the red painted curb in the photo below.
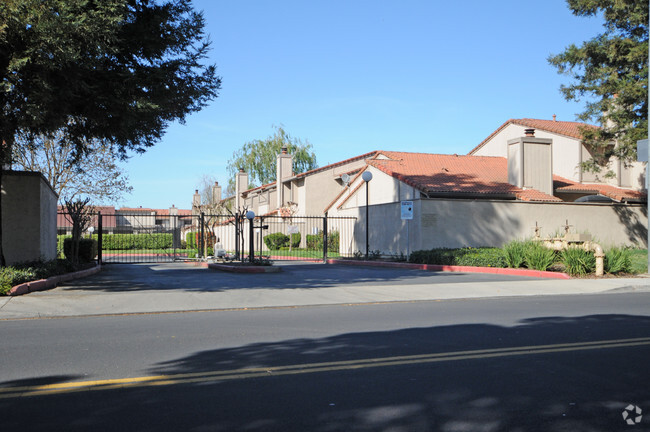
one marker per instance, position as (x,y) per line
(51,282)
(456,269)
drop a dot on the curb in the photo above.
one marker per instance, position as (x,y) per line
(239,269)
(51,282)
(456,269)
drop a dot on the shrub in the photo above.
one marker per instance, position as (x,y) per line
(578,261)
(482,257)
(137,241)
(87,249)
(477,257)
(276,240)
(539,257)
(315,241)
(25,272)
(514,253)
(190,240)
(295,240)
(618,260)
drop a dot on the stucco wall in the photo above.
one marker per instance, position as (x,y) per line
(566,150)
(28,217)
(459,223)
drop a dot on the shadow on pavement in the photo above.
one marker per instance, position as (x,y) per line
(571,390)
(186,277)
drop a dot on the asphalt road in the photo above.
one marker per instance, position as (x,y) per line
(570,363)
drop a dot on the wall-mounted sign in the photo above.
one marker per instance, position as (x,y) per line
(407,210)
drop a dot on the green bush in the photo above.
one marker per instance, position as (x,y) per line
(25,272)
(514,253)
(190,240)
(295,240)
(477,257)
(618,260)
(87,249)
(315,241)
(578,261)
(136,241)
(276,240)
(482,257)
(539,257)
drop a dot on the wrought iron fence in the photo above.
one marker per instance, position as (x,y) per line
(150,237)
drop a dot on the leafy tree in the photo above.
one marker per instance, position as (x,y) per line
(259,158)
(96,175)
(611,71)
(114,70)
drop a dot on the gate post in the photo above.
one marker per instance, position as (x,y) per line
(237,236)
(325,238)
(202,238)
(99,238)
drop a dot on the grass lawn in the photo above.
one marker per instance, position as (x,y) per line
(298,253)
(639,261)
(146,251)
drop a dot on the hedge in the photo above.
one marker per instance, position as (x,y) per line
(87,249)
(476,257)
(315,241)
(136,241)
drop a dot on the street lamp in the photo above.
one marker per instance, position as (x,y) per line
(91,230)
(366,176)
(250,215)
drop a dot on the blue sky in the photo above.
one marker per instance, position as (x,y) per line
(355,76)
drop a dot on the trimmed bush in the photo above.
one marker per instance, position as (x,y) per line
(482,257)
(514,253)
(578,261)
(137,241)
(276,240)
(618,260)
(315,241)
(190,240)
(295,240)
(87,249)
(476,257)
(539,257)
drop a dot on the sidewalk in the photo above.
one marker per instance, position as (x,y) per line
(164,288)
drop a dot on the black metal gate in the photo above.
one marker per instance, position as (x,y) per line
(147,236)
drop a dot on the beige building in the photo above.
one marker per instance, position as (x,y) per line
(524,175)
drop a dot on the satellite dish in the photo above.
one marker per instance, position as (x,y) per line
(345,178)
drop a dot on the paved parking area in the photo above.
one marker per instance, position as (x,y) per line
(181,287)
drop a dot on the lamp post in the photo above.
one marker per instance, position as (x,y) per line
(250,215)
(367,176)
(91,230)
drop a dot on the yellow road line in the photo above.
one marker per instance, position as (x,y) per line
(239,374)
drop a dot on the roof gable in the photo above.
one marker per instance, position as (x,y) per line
(565,128)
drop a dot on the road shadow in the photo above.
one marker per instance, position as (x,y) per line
(186,277)
(561,390)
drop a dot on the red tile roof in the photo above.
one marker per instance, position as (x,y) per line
(459,175)
(570,129)
(562,184)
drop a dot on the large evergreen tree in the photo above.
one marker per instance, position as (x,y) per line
(115,70)
(610,72)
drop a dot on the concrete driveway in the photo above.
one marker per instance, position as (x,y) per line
(177,287)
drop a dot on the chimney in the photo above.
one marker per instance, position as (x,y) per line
(284,170)
(216,193)
(196,199)
(554,118)
(241,186)
(173,211)
(530,162)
